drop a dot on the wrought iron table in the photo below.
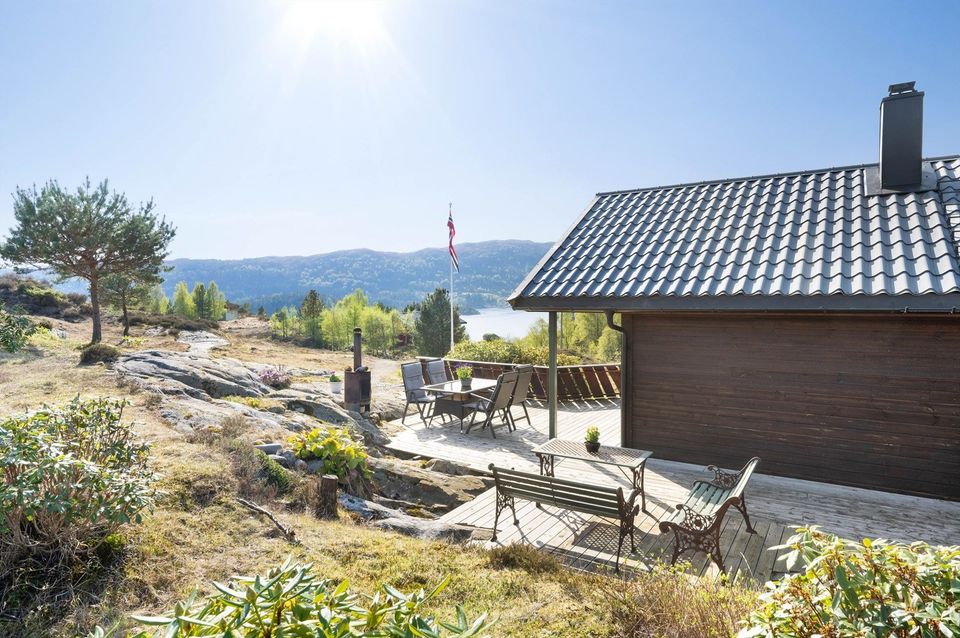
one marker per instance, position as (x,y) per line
(452,398)
(629,461)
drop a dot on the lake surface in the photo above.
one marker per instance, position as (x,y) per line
(504,322)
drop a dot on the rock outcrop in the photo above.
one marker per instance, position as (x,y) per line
(410,482)
(385,518)
(189,374)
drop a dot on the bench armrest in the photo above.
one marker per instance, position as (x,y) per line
(692,520)
(723,478)
(629,507)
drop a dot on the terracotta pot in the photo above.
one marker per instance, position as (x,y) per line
(592,446)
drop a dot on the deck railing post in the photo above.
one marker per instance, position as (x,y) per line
(552,374)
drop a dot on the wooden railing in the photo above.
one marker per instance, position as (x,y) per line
(574,383)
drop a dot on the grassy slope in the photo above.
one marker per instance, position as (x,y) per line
(198,533)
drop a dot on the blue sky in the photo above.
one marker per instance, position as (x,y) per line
(274,128)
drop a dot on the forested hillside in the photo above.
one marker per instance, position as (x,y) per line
(489,271)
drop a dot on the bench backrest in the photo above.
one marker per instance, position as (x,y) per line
(571,495)
(745,474)
(708,497)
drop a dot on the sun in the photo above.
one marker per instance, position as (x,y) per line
(356,22)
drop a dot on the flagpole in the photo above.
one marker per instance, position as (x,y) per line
(451,289)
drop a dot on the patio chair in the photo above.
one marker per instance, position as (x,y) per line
(521,393)
(497,404)
(413,391)
(437,371)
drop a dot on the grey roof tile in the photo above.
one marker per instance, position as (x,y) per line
(814,234)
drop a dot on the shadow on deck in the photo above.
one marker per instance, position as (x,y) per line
(776,504)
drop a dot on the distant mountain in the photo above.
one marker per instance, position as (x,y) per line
(489,271)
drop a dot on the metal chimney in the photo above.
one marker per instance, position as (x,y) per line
(901,167)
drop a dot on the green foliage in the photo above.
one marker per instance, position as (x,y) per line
(15,330)
(157,303)
(99,352)
(128,289)
(172,322)
(464,373)
(183,304)
(592,435)
(340,453)
(503,351)
(334,379)
(871,588)
(292,601)
(432,328)
(71,475)
(311,312)
(90,233)
(609,346)
(216,303)
(285,323)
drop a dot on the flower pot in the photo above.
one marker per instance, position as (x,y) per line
(336,387)
(465,384)
(592,446)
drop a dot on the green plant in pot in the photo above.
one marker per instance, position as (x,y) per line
(336,383)
(592,440)
(465,374)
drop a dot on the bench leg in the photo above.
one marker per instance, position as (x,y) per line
(706,541)
(742,506)
(503,502)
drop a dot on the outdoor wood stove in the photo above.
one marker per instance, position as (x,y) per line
(356,382)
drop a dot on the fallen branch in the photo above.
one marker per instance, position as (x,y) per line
(288,532)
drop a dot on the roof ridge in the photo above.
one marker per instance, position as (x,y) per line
(746,178)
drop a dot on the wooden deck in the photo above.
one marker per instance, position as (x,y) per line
(776,505)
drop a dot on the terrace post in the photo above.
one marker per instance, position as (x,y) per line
(552,374)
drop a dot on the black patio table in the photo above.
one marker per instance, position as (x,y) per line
(452,398)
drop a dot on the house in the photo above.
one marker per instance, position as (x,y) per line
(808,318)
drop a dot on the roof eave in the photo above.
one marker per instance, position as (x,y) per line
(944,303)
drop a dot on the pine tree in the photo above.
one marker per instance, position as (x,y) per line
(200,303)
(262,313)
(432,327)
(90,233)
(125,290)
(183,301)
(311,311)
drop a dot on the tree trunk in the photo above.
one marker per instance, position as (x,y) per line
(126,317)
(95,303)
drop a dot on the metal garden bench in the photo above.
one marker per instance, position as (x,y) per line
(696,523)
(599,500)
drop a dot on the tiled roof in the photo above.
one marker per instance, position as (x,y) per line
(811,240)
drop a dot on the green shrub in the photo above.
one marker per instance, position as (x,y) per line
(15,331)
(292,601)
(667,601)
(340,453)
(98,352)
(72,475)
(526,557)
(502,351)
(871,588)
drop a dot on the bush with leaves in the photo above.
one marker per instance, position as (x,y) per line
(72,475)
(15,330)
(870,588)
(503,351)
(99,352)
(292,601)
(340,453)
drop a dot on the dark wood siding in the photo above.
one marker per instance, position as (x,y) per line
(868,401)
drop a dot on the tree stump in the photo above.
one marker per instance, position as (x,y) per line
(326,503)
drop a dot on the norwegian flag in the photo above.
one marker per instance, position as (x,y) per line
(453,233)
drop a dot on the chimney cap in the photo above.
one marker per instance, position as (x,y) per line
(902,87)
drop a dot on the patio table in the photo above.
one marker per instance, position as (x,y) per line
(630,462)
(452,398)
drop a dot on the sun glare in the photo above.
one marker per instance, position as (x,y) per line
(357,22)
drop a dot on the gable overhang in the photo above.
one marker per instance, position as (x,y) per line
(935,303)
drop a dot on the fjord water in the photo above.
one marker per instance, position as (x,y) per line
(504,322)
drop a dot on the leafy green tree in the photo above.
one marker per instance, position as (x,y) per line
(538,336)
(586,330)
(90,233)
(158,303)
(216,302)
(311,313)
(15,330)
(432,327)
(183,301)
(123,290)
(609,346)
(200,304)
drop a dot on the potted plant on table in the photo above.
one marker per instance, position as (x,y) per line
(336,384)
(592,440)
(465,374)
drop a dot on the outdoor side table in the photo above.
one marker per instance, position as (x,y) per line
(630,462)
